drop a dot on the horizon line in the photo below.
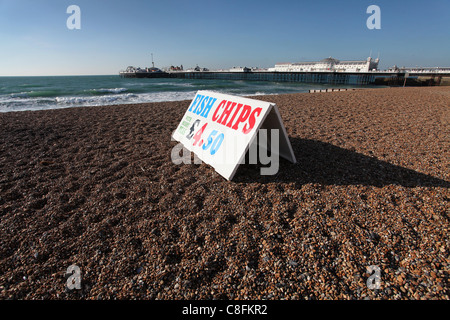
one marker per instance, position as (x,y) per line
(57,75)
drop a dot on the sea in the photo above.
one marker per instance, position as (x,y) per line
(54,92)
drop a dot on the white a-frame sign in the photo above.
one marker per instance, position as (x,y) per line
(220,128)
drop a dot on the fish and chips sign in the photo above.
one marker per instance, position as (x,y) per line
(220,129)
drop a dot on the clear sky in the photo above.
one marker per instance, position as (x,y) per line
(35,40)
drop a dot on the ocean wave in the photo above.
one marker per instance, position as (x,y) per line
(259,93)
(30,85)
(24,104)
(93,100)
(107,90)
(42,103)
(37,94)
(99,91)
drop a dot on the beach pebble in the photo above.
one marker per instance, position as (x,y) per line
(95,187)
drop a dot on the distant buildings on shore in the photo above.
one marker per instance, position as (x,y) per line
(419,69)
(132,69)
(328,64)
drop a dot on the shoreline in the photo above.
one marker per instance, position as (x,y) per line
(95,187)
(30,95)
(258,94)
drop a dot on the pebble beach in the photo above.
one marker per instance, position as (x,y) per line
(95,187)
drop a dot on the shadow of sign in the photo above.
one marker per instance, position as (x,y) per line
(326,164)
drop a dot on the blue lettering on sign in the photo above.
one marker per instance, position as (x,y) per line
(202,105)
(198,98)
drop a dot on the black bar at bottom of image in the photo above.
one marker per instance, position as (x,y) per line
(216,309)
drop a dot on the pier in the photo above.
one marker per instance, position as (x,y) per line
(344,78)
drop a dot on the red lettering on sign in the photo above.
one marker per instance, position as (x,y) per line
(232,115)
(215,115)
(251,120)
(242,117)
(226,113)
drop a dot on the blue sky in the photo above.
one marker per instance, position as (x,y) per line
(34,38)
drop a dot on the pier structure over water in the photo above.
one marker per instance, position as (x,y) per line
(276,76)
(322,77)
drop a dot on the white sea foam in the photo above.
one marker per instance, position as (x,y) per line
(121,91)
(110,90)
(8,104)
